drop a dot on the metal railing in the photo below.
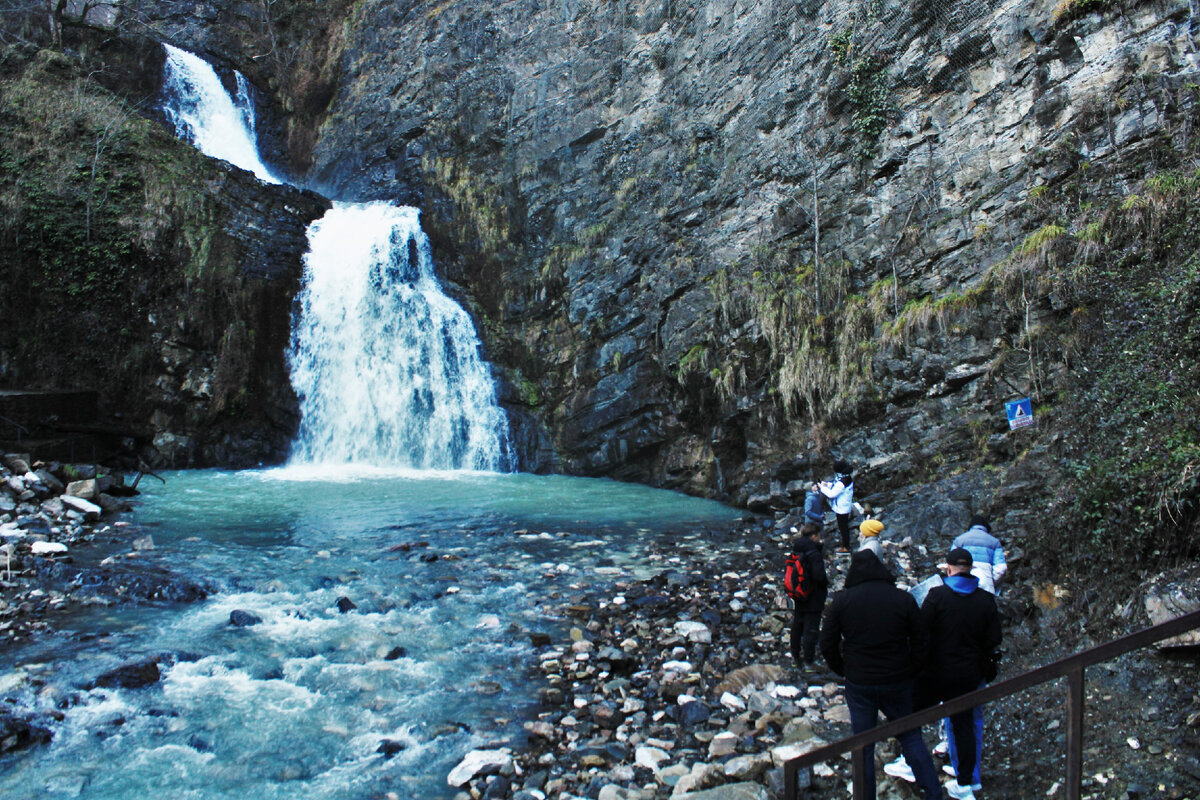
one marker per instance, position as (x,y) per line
(16,425)
(1071,668)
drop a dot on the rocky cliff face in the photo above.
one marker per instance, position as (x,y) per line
(705,236)
(712,245)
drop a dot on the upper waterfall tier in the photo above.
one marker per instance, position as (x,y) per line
(386,366)
(203,113)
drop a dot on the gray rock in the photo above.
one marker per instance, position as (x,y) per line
(84,488)
(88,509)
(748,767)
(130,676)
(243,619)
(690,714)
(18,734)
(732,791)
(50,482)
(476,763)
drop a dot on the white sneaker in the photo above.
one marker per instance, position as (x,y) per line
(900,769)
(949,770)
(941,749)
(959,792)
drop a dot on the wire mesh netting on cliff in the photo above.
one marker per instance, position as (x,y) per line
(903,35)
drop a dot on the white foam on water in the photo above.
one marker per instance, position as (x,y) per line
(201,682)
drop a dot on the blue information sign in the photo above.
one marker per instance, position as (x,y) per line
(1020,413)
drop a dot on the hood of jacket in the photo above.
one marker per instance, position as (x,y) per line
(865,566)
(962,584)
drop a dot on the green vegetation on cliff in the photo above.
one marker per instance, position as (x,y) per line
(137,267)
(88,214)
(1129,406)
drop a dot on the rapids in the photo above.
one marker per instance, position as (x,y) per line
(299,704)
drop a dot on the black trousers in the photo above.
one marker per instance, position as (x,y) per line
(843,521)
(806,627)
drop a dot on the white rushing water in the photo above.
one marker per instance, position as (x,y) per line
(204,114)
(386,366)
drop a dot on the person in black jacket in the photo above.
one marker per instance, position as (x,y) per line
(964,629)
(806,616)
(874,636)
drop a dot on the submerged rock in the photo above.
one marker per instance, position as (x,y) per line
(130,676)
(389,748)
(18,734)
(243,619)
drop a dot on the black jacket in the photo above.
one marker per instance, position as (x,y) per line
(964,630)
(873,632)
(812,555)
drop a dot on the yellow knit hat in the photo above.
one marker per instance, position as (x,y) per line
(870,527)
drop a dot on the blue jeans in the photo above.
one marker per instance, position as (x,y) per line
(894,700)
(977,719)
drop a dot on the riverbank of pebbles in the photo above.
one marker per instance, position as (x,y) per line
(682,686)
(678,685)
(65,541)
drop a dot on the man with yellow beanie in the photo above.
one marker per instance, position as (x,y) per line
(868,537)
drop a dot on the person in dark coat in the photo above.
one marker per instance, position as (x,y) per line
(964,631)
(874,636)
(806,615)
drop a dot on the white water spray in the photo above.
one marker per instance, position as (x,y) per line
(204,114)
(386,366)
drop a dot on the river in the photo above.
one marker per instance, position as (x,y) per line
(450,572)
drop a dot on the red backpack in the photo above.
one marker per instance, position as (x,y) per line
(796,580)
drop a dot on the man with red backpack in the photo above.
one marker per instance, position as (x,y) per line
(806,582)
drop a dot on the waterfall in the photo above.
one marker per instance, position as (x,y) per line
(386,366)
(202,112)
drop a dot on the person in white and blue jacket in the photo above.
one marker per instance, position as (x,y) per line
(840,494)
(987,553)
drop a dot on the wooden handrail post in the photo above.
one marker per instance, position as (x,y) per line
(1075,734)
(858,772)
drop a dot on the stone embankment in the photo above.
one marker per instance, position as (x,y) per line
(679,685)
(65,545)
